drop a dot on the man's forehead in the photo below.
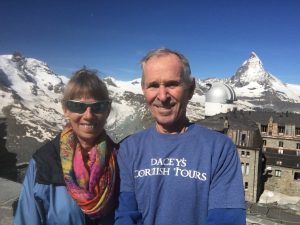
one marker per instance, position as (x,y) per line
(162,80)
(166,63)
(163,57)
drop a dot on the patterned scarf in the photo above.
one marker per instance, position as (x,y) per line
(93,188)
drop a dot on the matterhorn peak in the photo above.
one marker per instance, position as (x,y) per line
(254,61)
(253,55)
(251,70)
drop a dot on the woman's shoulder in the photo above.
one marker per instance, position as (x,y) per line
(48,148)
(48,163)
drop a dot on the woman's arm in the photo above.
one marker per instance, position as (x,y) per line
(27,211)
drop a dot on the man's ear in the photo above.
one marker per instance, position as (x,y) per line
(143,88)
(192,88)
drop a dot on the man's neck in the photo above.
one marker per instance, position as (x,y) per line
(178,128)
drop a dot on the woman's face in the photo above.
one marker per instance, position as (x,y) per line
(87,125)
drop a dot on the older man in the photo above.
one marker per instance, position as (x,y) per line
(177,172)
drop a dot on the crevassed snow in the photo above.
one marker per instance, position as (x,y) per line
(133,86)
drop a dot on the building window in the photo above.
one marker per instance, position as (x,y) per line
(264,128)
(246,185)
(242,153)
(243,137)
(248,154)
(247,168)
(279,162)
(277,173)
(243,168)
(280,151)
(298,146)
(243,140)
(280,144)
(281,129)
(297,176)
(297,152)
(297,131)
(264,142)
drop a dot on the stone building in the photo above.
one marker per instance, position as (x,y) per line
(246,136)
(281,147)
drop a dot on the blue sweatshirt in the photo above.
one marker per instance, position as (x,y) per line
(190,178)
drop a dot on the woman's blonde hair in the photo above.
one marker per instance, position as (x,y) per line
(85,83)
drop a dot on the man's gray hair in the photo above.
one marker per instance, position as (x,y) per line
(186,70)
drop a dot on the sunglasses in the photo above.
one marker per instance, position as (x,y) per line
(80,107)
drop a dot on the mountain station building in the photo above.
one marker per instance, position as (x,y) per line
(268,143)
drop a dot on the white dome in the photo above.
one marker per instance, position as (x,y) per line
(220,93)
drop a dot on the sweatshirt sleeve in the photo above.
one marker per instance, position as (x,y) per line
(27,212)
(227,216)
(226,188)
(127,213)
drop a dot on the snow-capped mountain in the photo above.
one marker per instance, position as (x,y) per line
(30,96)
(29,93)
(254,84)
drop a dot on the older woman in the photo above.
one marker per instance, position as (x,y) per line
(72,179)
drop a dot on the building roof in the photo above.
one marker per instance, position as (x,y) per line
(233,120)
(282,118)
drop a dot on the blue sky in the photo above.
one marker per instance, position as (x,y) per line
(113,35)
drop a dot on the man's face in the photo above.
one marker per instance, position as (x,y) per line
(165,91)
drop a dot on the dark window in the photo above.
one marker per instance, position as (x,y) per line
(243,137)
(280,144)
(281,129)
(246,185)
(297,176)
(247,154)
(298,146)
(243,140)
(297,130)
(264,142)
(264,128)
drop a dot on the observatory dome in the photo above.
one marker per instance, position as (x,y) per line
(220,93)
